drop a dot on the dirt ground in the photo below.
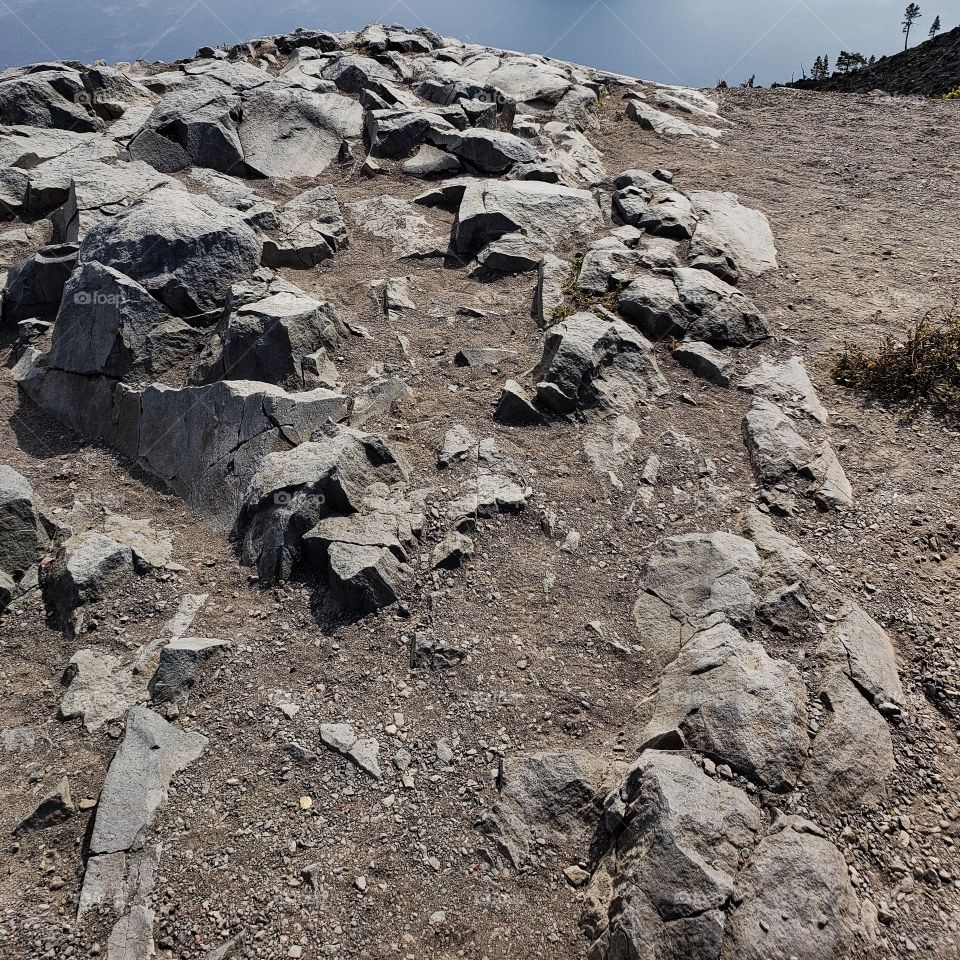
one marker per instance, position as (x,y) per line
(862,193)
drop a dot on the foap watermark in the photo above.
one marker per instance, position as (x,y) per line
(86,298)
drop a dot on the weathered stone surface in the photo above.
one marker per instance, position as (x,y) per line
(484,356)
(604,259)
(397,133)
(429,161)
(705,361)
(25,528)
(352,73)
(511,253)
(515,408)
(545,212)
(55,808)
(186,250)
(726,698)
(452,551)
(831,487)
(398,223)
(491,152)
(728,233)
(35,285)
(776,449)
(151,754)
(110,325)
(554,795)
(288,132)
(609,444)
(85,569)
(794,899)
(459,444)
(100,688)
(593,362)
(666,124)
(362,751)
(664,888)
(656,208)
(112,93)
(492,487)
(552,277)
(180,664)
(46,98)
(786,383)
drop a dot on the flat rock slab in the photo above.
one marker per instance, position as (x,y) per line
(362,751)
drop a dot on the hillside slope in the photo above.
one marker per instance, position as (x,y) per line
(429,527)
(929,69)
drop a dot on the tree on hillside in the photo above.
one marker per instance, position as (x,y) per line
(934,27)
(848,61)
(909,15)
(818,72)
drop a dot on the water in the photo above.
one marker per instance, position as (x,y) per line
(694,42)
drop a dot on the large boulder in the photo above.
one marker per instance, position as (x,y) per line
(730,239)
(724,697)
(397,133)
(112,93)
(110,325)
(289,132)
(185,249)
(47,98)
(491,152)
(594,362)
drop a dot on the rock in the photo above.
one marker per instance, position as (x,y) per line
(138,779)
(553,277)
(14,191)
(459,444)
(590,362)
(452,551)
(786,383)
(274,340)
(186,250)
(656,208)
(831,487)
(728,233)
(725,698)
(398,133)
(705,361)
(578,108)
(179,667)
(491,489)
(310,229)
(380,395)
(605,258)
(195,125)
(666,124)
(35,285)
(861,648)
(288,132)
(100,688)
(46,98)
(25,528)
(694,305)
(132,936)
(85,569)
(343,739)
(490,152)
(484,356)
(429,162)
(793,898)
(555,795)
(55,808)
(398,223)
(776,449)
(515,408)
(352,73)
(546,213)
(608,446)
(512,253)
(852,756)
(110,325)
(112,93)
(663,889)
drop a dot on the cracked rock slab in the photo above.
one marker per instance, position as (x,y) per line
(361,751)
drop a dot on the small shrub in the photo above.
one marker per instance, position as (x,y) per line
(922,370)
(952,95)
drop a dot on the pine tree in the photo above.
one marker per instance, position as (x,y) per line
(934,27)
(817,72)
(909,15)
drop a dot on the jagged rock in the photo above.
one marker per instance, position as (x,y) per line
(793,899)
(493,488)
(491,152)
(428,162)
(186,250)
(725,698)
(138,779)
(110,325)
(112,93)
(786,383)
(261,214)
(361,751)
(546,213)
(364,578)
(379,395)
(609,444)
(693,305)
(552,278)
(512,253)
(730,235)
(100,688)
(85,569)
(831,487)
(195,125)
(852,756)
(180,663)
(776,449)
(515,408)
(705,361)
(666,124)
(578,108)
(397,133)
(288,132)
(34,286)
(352,73)
(656,208)
(309,230)
(14,191)
(452,551)
(55,808)
(604,259)
(98,192)
(664,888)
(459,444)
(593,362)
(861,648)
(274,340)
(25,528)
(46,98)
(554,795)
